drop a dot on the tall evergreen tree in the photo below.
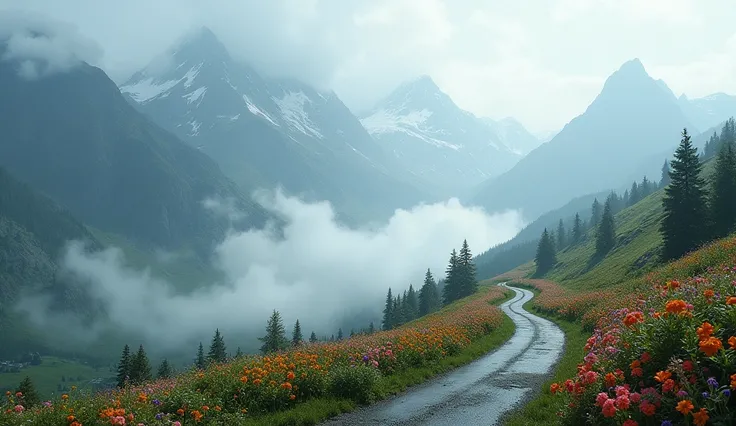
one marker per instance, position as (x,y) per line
(312,338)
(684,202)
(467,276)
(140,368)
(606,235)
(164,370)
(634,194)
(275,338)
(546,257)
(577,229)
(124,365)
(200,361)
(665,179)
(29,396)
(429,298)
(339,333)
(595,213)
(412,303)
(388,314)
(238,353)
(217,352)
(723,192)
(296,336)
(645,188)
(371,328)
(452,279)
(561,243)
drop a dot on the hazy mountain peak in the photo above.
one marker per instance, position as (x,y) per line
(632,66)
(201,43)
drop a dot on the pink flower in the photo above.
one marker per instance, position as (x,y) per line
(635,397)
(19,408)
(609,409)
(622,402)
(601,398)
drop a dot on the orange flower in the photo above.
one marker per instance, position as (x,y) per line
(733,381)
(731,300)
(676,306)
(70,418)
(633,318)
(685,407)
(197,415)
(708,293)
(710,346)
(732,342)
(554,388)
(701,417)
(662,376)
(292,397)
(65,397)
(705,330)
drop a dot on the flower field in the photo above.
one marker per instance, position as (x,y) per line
(241,390)
(663,351)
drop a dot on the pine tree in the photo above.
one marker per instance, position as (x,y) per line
(200,361)
(722,201)
(275,338)
(561,235)
(684,202)
(577,229)
(140,368)
(164,370)
(546,257)
(124,366)
(595,213)
(217,352)
(606,235)
(412,303)
(296,336)
(429,298)
(665,179)
(634,194)
(645,188)
(29,396)
(468,281)
(312,338)
(388,313)
(238,353)
(451,290)
(339,333)
(371,328)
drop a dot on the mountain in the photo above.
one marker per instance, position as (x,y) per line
(513,135)
(709,111)
(631,119)
(435,139)
(265,132)
(75,138)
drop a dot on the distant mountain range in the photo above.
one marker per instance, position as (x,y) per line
(269,132)
(448,147)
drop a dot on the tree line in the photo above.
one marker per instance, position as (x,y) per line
(460,281)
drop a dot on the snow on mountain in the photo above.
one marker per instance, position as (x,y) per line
(435,139)
(710,110)
(513,135)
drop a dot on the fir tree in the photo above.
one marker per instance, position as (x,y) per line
(339,333)
(200,361)
(546,257)
(217,352)
(164,370)
(124,366)
(723,192)
(634,194)
(577,229)
(429,298)
(29,396)
(665,179)
(140,368)
(451,290)
(468,282)
(371,328)
(312,338)
(296,336)
(595,213)
(645,188)
(561,235)
(275,338)
(606,235)
(388,313)
(238,353)
(684,202)
(412,303)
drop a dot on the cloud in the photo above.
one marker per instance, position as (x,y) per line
(43,46)
(314,270)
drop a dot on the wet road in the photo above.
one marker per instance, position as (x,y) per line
(481,392)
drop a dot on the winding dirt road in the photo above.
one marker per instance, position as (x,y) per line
(481,392)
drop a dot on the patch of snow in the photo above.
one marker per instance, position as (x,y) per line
(195,127)
(147,89)
(191,74)
(411,124)
(292,110)
(257,111)
(196,95)
(229,117)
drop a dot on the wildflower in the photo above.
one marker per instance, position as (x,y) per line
(662,376)
(19,408)
(630,422)
(731,300)
(726,393)
(701,417)
(676,306)
(712,382)
(687,365)
(609,409)
(710,346)
(666,423)
(554,388)
(705,331)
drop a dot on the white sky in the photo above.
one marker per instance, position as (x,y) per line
(541,61)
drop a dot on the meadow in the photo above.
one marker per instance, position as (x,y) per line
(303,385)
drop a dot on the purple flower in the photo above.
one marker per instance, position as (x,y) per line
(159,416)
(156,402)
(666,423)
(706,395)
(712,382)
(726,393)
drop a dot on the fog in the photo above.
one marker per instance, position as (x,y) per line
(317,271)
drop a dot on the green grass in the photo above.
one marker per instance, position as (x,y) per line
(542,410)
(47,376)
(317,410)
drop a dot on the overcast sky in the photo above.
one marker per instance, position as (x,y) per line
(541,61)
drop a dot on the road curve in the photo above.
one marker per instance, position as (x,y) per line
(478,393)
